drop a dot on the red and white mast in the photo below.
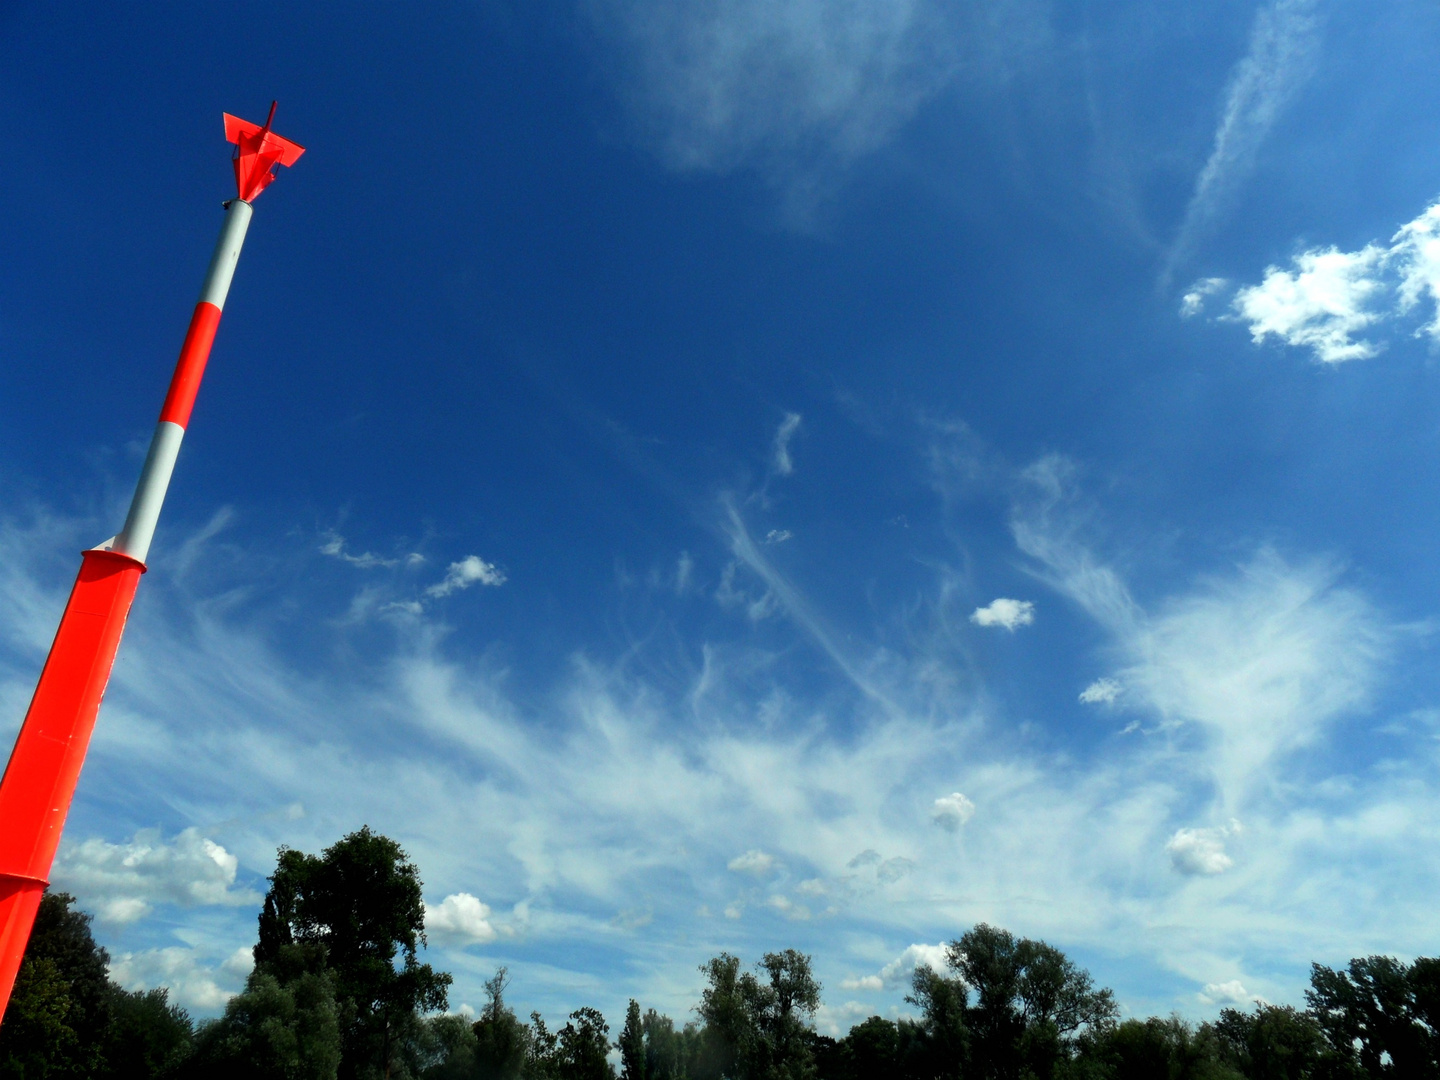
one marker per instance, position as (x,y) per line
(40,778)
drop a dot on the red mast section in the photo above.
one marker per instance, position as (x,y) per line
(44,767)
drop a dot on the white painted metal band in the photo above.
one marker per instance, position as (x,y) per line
(134,539)
(227,253)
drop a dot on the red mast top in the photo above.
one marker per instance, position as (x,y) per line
(257,151)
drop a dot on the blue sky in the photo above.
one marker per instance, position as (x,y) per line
(731,476)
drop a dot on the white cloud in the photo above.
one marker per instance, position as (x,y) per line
(787,907)
(1193,302)
(783,463)
(738,82)
(121,882)
(468,571)
(753,862)
(1321,305)
(334,546)
(898,971)
(778,536)
(952,811)
(1230,992)
(1201,851)
(459,919)
(619,792)
(1328,296)
(1260,659)
(1102,692)
(1005,613)
(1284,39)
(182,971)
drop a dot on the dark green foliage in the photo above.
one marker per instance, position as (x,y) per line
(449,1052)
(1272,1043)
(60,1007)
(354,910)
(584,1043)
(753,1028)
(148,1037)
(631,1044)
(272,1031)
(1153,1049)
(338,992)
(669,1054)
(502,1042)
(1379,1015)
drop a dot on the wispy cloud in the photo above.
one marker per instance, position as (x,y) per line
(783,465)
(335,547)
(800,89)
(1284,42)
(621,793)
(1328,296)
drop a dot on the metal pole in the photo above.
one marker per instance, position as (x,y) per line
(39,781)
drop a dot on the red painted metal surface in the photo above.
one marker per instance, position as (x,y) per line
(257,151)
(45,764)
(190,368)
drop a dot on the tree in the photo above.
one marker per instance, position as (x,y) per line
(728,1034)
(1030,1002)
(784,1008)
(501,1041)
(352,912)
(1274,1042)
(1379,1014)
(272,1031)
(60,1007)
(631,1044)
(669,1054)
(147,1037)
(944,1050)
(584,1044)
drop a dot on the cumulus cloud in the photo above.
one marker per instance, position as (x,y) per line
(753,862)
(898,971)
(459,919)
(952,811)
(468,571)
(1320,304)
(1202,851)
(1284,40)
(1230,992)
(1102,692)
(1005,613)
(1326,298)
(783,463)
(183,971)
(121,882)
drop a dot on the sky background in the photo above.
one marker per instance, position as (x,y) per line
(727,475)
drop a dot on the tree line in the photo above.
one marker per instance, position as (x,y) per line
(338,993)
